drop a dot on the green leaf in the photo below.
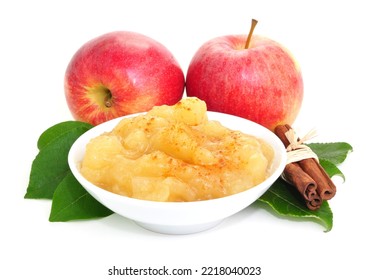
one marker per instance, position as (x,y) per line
(72,202)
(331,169)
(335,153)
(51,164)
(51,176)
(284,201)
(59,130)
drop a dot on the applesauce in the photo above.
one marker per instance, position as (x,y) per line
(174,153)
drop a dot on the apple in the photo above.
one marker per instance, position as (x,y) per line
(248,76)
(121,73)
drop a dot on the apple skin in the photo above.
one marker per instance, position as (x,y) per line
(262,83)
(121,73)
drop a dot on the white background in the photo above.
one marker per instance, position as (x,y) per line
(38,38)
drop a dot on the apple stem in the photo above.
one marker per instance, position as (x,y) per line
(254,23)
(107,100)
(108,103)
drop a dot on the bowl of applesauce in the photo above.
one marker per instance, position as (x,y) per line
(177,169)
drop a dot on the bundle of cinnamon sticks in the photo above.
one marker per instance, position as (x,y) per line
(307,175)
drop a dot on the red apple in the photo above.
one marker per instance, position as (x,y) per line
(261,82)
(121,73)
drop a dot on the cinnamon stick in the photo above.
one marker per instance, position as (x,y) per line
(304,184)
(325,188)
(300,177)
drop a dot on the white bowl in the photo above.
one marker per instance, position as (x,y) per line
(181,217)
